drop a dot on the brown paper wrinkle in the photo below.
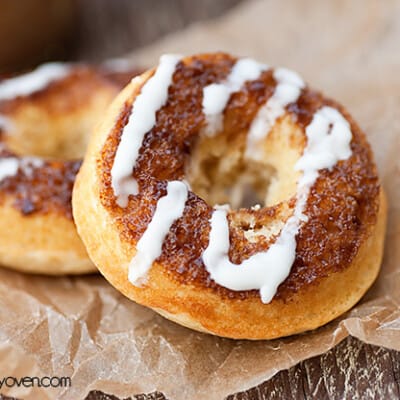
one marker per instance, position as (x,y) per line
(81,327)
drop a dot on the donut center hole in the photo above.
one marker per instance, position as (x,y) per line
(232,180)
(222,170)
(56,123)
(51,142)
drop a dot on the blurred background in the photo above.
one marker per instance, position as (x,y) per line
(35,31)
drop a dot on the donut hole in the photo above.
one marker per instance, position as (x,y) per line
(222,172)
(233,181)
(39,135)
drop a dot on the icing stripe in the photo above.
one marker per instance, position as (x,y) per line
(216,95)
(34,81)
(169,208)
(153,96)
(287,91)
(329,138)
(324,150)
(9,166)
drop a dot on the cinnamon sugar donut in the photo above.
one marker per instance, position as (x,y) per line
(231,198)
(45,120)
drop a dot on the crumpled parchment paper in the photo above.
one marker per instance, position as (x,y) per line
(83,328)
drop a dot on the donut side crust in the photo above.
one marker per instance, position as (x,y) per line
(41,244)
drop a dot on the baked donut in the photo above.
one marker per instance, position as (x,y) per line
(45,119)
(231,198)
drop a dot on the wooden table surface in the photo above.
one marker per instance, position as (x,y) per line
(352,370)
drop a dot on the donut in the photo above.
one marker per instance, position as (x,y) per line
(231,198)
(45,119)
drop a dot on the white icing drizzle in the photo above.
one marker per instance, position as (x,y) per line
(288,89)
(323,150)
(216,95)
(9,166)
(153,96)
(26,84)
(34,81)
(329,138)
(169,208)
